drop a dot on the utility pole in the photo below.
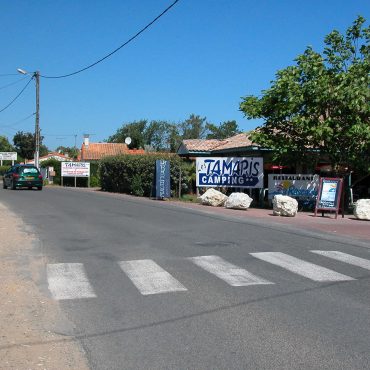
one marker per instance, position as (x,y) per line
(37,122)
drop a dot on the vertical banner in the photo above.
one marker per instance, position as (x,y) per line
(162,179)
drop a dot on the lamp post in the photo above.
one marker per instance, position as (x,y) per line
(36,76)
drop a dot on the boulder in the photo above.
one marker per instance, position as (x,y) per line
(284,206)
(238,201)
(213,198)
(362,209)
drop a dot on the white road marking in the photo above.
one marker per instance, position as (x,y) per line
(347,258)
(68,281)
(231,274)
(150,278)
(301,267)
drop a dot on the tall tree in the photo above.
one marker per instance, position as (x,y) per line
(193,128)
(322,102)
(223,130)
(135,130)
(5,146)
(24,143)
(159,135)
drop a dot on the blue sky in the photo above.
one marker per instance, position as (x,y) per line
(201,57)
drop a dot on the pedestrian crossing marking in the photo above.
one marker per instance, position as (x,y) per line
(344,257)
(68,281)
(150,278)
(231,274)
(301,267)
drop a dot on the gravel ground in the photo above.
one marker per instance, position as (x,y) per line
(29,319)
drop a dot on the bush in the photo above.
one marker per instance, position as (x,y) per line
(134,174)
(3,169)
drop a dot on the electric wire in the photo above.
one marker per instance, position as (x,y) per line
(12,83)
(119,48)
(11,125)
(7,106)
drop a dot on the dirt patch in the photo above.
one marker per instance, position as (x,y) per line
(27,315)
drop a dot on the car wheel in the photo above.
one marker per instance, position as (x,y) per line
(4,186)
(39,188)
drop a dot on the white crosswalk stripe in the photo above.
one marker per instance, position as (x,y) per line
(301,267)
(344,257)
(231,274)
(68,281)
(150,278)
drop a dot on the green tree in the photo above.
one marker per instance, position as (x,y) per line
(5,146)
(223,130)
(72,152)
(193,128)
(24,143)
(321,103)
(160,135)
(135,130)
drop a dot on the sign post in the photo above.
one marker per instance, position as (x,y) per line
(75,169)
(329,195)
(8,156)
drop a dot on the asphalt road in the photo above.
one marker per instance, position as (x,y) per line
(125,275)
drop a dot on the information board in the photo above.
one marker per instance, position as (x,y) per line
(329,194)
(75,169)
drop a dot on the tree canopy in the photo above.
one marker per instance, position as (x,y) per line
(5,146)
(320,104)
(166,136)
(24,143)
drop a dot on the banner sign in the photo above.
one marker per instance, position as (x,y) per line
(329,194)
(75,169)
(162,179)
(8,156)
(295,186)
(232,172)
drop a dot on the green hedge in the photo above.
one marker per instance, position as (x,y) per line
(3,169)
(134,174)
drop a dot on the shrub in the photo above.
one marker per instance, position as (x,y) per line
(134,174)
(3,169)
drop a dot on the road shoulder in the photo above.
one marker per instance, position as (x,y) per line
(28,317)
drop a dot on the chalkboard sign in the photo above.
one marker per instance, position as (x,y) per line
(328,198)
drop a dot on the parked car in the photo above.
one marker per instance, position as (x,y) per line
(22,176)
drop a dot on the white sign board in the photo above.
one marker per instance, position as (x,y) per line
(232,172)
(293,185)
(8,156)
(75,169)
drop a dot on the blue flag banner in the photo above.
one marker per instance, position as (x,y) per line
(162,179)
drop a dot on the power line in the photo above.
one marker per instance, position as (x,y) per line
(120,47)
(10,125)
(12,83)
(7,106)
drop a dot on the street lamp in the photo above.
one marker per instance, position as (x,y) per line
(35,75)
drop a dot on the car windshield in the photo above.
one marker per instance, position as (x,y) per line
(31,170)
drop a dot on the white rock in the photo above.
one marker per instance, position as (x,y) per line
(284,206)
(362,209)
(238,201)
(213,198)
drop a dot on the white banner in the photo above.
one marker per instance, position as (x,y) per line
(235,172)
(75,169)
(8,156)
(293,185)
